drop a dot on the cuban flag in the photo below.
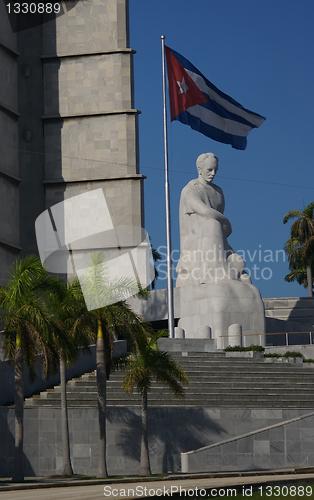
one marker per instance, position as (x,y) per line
(195,101)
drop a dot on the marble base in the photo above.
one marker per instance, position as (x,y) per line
(186,345)
(246,354)
(219,305)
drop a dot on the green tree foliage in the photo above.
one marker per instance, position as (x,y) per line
(300,247)
(41,315)
(108,323)
(148,363)
(70,335)
(26,329)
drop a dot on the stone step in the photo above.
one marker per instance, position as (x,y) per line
(191,399)
(289,303)
(215,381)
(240,385)
(216,377)
(287,385)
(229,378)
(286,313)
(288,382)
(301,377)
(271,368)
(197,403)
(191,396)
(199,377)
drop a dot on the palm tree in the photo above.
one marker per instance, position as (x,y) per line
(299,274)
(146,364)
(116,319)
(70,336)
(26,334)
(300,245)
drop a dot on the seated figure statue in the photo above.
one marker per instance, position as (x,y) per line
(206,256)
(215,291)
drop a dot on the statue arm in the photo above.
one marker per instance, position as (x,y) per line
(196,205)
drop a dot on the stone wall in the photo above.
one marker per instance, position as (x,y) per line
(287,444)
(172,431)
(85,363)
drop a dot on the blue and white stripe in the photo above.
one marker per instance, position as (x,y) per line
(221,118)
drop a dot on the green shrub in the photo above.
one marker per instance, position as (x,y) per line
(293,354)
(288,354)
(256,348)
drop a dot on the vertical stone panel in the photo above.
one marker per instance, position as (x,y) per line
(9,168)
(8,79)
(31,143)
(7,37)
(88,84)
(90,27)
(90,126)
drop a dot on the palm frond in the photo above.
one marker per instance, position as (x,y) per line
(99,290)
(291,215)
(308,212)
(291,245)
(308,249)
(298,275)
(25,313)
(148,363)
(300,246)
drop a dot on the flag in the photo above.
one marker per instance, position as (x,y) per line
(195,101)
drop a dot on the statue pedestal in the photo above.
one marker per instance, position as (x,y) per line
(219,305)
(186,345)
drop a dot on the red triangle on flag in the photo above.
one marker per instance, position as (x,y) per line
(183,92)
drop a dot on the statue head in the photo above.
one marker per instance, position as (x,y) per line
(207,166)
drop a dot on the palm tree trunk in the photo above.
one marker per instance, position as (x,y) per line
(67,466)
(144,464)
(18,472)
(101,400)
(309,280)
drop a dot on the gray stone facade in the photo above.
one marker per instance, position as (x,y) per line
(9,168)
(85,363)
(286,444)
(67,120)
(274,440)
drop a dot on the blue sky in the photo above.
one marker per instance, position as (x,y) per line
(259,52)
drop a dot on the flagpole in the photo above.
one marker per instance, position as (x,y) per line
(167,198)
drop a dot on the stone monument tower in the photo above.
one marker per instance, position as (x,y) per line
(67,119)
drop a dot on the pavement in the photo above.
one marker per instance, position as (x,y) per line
(175,485)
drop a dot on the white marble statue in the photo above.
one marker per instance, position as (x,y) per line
(206,256)
(215,290)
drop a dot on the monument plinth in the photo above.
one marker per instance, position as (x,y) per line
(215,290)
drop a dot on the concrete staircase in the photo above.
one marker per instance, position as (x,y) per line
(215,382)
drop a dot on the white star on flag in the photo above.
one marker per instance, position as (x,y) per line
(183,87)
